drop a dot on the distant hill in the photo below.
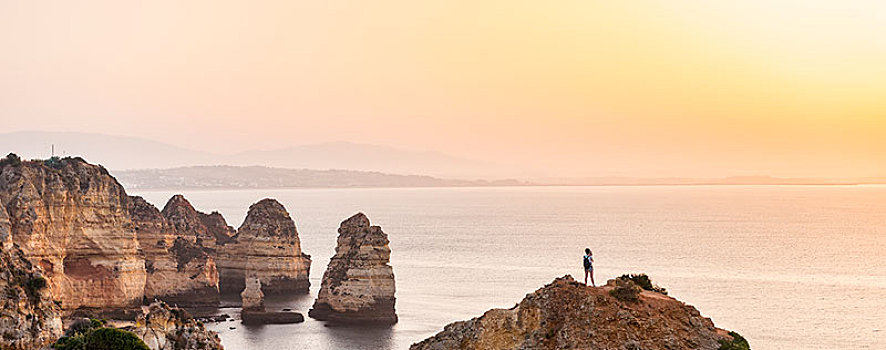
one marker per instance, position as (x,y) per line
(231,177)
(113,152)
(125,153)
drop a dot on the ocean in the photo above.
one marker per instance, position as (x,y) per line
(788,267)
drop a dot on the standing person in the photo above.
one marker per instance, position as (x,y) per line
(589,266)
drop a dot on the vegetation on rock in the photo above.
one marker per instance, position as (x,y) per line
(10,159)
(93,335)
(737,343)
(643,281)
(625,290)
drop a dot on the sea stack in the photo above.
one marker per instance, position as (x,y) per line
(252,296)
(358,286)
(267,247)
(179,271)
(253,311)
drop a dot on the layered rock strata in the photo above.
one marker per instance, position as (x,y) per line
(71,220)
(567,315)
(179,271)
(267,247)
(205,230)
(358,285)
(29,319)
(169,328)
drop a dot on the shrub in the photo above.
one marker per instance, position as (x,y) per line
(114,339)
(644,282)
(738,343)
(53,162)
(37,283)
(10,159)
(92,335)
(33,286)
(625,290)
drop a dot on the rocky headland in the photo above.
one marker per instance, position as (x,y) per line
(358,285)
(75,244)
(567,315)
(266,246)
(71,220)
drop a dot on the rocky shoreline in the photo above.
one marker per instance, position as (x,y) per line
(75,245)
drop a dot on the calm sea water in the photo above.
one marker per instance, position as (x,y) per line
(789,267)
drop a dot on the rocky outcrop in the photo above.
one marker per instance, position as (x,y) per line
(252,296)
(267,247)
(253,311)
(28,317)
(178,270)
(217,226)
(358,285)
(71,220)
(169,328)
(567,315)
(205,230)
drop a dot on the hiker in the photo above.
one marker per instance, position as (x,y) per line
(589,266)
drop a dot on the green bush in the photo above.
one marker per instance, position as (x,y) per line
(114,339)
(644,282)
(53,162)
(738,343)
(91,335)
(10,159)
(625,290)
(37,283)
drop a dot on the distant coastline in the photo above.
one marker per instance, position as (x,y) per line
(221,177)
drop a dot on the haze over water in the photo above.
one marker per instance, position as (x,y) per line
(788,267)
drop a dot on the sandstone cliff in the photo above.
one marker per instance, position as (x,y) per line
(205,230)
(71,220)
(168,328)
(28,317)
(358,285)
(567,315)
(267,247)
(178,270)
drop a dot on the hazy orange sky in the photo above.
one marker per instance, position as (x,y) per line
(574,88)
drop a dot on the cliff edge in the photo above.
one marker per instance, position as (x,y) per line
(567,315)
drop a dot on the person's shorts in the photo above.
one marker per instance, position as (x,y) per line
(590,269)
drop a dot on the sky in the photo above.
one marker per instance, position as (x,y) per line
(566,88)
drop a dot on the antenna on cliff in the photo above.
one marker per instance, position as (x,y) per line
(53,151)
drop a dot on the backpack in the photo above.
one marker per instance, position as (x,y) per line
(586,261)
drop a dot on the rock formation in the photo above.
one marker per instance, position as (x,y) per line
(253,311)
(70,219)
(169,328)
(178,270)
(252,296)
(358,285)
(28,317)
(267,247)
(567,315)
(206,230)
